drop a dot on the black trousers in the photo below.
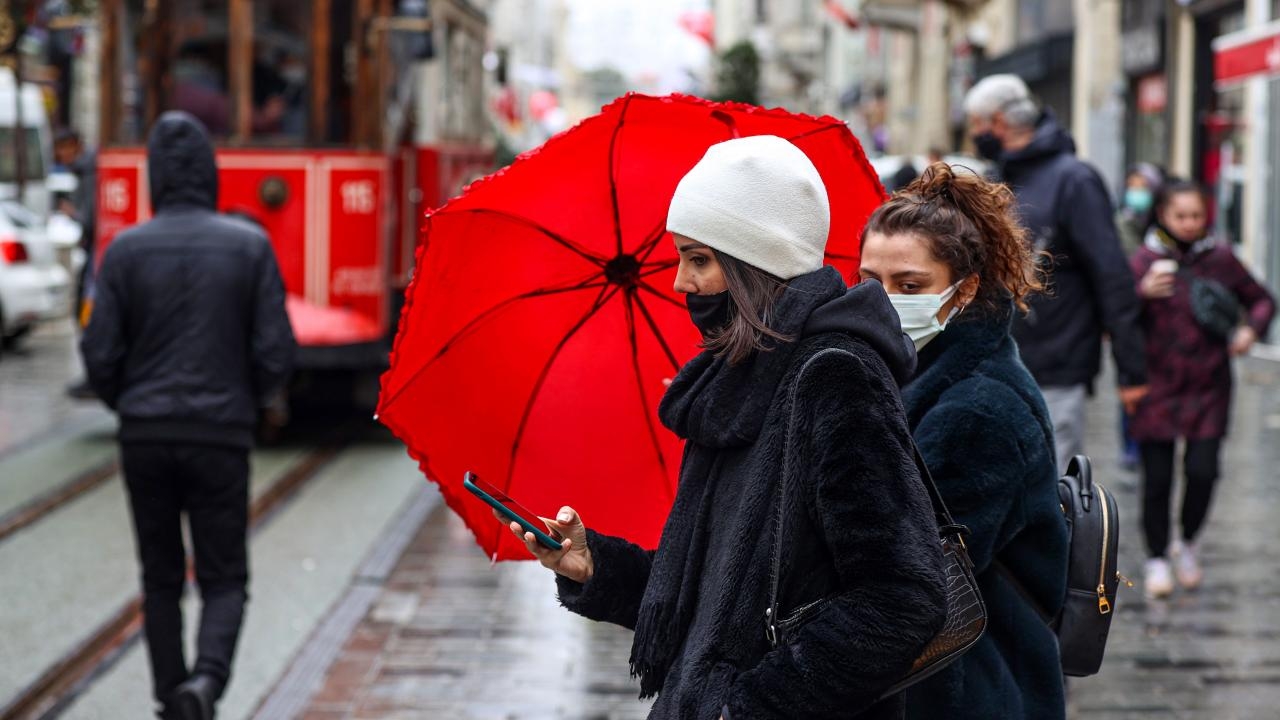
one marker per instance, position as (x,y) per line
(211,485)
(1200,468)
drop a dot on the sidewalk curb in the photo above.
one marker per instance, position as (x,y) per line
(294,691)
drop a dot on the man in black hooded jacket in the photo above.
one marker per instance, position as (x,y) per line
(188,339)
(1067,211)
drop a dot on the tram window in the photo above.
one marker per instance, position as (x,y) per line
(281,57)
(195,79)
(177,56)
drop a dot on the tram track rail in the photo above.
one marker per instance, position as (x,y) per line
(45,504)
(50,694)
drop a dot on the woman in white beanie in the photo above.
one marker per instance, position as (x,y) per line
(795,431)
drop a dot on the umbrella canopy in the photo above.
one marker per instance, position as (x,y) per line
(541,321)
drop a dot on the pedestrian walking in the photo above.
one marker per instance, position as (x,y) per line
(1136,212)
(1195,294)
(1134,218)
(1066,209)
(795,401)
(188,339)
(71,154)
(957,267)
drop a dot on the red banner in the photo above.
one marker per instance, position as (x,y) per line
(1246,54)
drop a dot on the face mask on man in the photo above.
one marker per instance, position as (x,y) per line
(1137,199)
(988,146)
(919,314)
(708,312)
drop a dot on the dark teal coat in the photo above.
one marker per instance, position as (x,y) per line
(985,433)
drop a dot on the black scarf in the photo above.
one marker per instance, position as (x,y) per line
(714,406)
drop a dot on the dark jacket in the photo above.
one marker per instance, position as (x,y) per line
(985,434)
(859,526)
(1064,206)
(1190,370)
(189,336)
(85,197)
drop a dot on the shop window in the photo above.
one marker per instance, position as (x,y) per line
(1042,18)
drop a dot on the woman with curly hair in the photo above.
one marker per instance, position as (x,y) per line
(957,265)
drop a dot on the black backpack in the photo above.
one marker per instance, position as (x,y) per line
(1093,528)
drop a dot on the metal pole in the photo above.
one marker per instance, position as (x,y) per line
(19,132)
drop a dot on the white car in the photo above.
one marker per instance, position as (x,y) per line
(34,286)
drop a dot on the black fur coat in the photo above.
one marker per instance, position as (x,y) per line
(985,433)
(858,526)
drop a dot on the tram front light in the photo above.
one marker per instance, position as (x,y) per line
(273,192)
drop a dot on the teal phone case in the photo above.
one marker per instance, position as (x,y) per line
(542,535)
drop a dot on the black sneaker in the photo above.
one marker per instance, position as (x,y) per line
(194,698)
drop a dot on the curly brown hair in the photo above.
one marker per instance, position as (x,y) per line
(971,224)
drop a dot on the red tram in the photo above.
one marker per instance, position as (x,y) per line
(338,123)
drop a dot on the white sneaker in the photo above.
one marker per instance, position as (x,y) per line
(1159,578)
(1187,565)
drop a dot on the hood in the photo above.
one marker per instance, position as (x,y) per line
(864,312)
(180,164)
(1050,138)
(1161,242)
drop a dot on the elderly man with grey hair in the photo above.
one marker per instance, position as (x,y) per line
(1067,211)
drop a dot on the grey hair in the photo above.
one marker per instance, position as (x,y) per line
(1006,94)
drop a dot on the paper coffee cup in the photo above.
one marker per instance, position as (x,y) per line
(1165,266)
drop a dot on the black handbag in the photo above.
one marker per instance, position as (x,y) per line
(1215,308)
(966,613)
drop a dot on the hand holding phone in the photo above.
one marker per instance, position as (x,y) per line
(510,509)
(572,559)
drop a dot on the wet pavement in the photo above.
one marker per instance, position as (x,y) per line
(450,636)
(371,601)
(1213,653)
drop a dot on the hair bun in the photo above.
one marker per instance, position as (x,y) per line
(935,182)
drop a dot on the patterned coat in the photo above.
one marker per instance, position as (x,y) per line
(1188,369)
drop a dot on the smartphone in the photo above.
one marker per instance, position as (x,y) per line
(510,509)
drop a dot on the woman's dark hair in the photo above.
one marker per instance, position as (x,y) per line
(972,226)
(1178,186)
(752,294)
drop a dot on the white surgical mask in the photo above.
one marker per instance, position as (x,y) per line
(919,314)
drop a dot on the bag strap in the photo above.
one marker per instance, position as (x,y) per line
(946,524)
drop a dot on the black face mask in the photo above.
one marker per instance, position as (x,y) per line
(708,312)
(988,146)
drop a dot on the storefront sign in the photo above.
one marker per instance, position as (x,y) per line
(1250,53)
(1153,94)
(1140,49)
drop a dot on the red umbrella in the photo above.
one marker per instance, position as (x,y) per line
(541,322)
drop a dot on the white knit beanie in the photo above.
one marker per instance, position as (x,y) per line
(758,199)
